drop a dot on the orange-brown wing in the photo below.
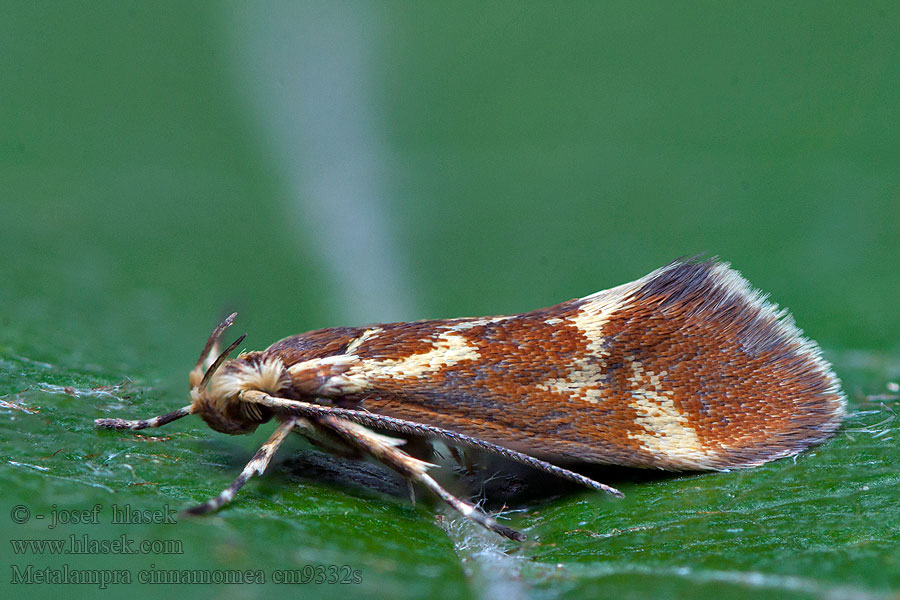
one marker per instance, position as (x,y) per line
(686,368)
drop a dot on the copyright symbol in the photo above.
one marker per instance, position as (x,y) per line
(20,514)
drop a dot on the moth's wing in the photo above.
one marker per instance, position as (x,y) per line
(686,368)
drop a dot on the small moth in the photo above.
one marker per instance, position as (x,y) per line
(687,368)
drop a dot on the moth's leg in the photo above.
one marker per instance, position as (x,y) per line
(157,421)
(421,448)
(308,409)
(326,439)
(462,459)
(257,464)
(385,449)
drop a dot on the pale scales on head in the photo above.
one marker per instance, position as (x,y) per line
(247,372)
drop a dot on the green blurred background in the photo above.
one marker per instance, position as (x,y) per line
(340,163)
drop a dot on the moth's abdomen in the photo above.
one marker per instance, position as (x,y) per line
(686,368)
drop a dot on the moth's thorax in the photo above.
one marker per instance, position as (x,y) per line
(219,403)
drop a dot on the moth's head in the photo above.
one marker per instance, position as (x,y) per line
(217,381)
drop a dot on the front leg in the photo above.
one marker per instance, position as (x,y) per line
(257,465)
(385,449)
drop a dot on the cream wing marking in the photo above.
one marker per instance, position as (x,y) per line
(667,433)
(348,374)
(584,381)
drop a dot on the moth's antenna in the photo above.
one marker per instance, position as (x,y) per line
(195,374)
(158,421)
(222,358)
(213,339)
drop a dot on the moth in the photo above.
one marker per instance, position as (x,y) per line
(687,368)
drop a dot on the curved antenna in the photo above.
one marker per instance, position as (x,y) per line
(213,339)
(222,358)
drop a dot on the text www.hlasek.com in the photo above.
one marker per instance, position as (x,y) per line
(85,544)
